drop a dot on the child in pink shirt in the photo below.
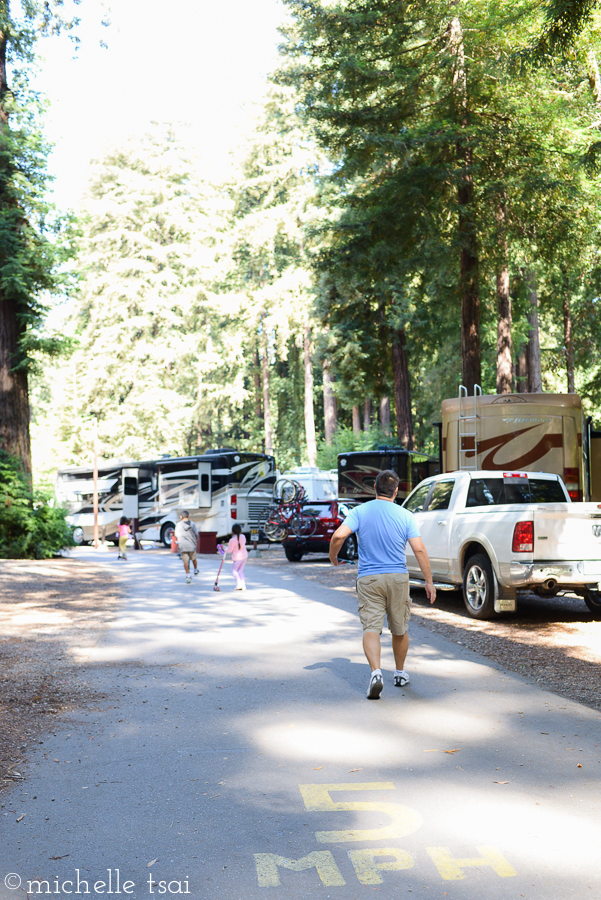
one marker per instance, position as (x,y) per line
(237,547)
(124,532)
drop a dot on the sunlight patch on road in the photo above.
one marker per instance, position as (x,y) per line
(328,744)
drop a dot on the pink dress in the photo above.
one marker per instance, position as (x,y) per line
(239,557)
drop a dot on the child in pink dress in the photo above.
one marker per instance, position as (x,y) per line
(237,547)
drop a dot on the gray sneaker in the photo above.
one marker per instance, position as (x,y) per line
(376,683)
(401,679)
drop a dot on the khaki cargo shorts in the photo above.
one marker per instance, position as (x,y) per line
(188,556)
(386,594)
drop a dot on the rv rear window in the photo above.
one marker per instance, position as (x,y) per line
(493,492)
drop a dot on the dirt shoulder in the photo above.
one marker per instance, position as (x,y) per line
(48,609)
(553,642)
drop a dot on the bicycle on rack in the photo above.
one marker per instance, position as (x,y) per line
(286,513)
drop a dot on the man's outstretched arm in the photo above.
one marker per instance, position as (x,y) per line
(338,539)
(421,555)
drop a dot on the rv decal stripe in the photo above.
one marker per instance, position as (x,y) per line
(547,443)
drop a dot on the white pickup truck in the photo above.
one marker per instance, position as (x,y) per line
(497,533)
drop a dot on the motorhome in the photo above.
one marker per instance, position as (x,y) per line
(357,471)
(219,488)
(528,432)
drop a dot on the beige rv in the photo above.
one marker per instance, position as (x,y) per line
(526,432)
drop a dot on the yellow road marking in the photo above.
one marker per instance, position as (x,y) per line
(317,799)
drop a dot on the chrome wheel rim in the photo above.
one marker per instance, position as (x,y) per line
(475,587)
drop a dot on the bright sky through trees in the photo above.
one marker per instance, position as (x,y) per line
(200,63)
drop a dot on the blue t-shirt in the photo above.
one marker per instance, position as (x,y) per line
(383,529)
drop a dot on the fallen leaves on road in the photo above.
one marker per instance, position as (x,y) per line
(59,857)
(151,863)
(317,768)
(354,770)
(457,749)
(500,782)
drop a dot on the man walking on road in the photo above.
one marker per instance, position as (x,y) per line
(186,535)
(383,529)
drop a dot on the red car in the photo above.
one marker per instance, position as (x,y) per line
(329,514)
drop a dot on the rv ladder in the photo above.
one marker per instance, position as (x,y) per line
(467,435)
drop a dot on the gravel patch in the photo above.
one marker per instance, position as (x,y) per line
(49,609)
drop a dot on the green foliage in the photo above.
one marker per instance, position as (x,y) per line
(346,441)
(30,526)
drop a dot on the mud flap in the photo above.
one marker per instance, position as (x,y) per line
(505,597)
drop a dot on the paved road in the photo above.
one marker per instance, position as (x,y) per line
(235,757)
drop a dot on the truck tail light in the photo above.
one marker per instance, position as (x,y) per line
(234,514)
(234,500)
(523,538)
(572,483)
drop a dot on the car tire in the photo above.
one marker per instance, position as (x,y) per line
(293,555)
(479,587)
(166,532)
(349,548)
(77,536)
(593,601)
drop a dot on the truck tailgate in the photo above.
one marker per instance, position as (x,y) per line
(570,531)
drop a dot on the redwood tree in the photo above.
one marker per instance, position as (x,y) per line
(27,257)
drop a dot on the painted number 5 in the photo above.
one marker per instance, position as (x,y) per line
(403,820)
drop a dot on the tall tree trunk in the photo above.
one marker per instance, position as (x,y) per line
(402,390)
(14,391)
(366,415)
(330,406)
(469,277)
(521,371)
(535,378)
(309,411)
(257,380)
(503,307)
(567,333)
(503,333)
(594,79)
(385,415)
(356,420)
(266,398)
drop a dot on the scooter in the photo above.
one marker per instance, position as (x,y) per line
(222,552)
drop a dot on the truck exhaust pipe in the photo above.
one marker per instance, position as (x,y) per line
(550,584)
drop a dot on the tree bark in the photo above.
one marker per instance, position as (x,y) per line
(594,79)
(402,390)
(503,306)
(469,260)
(366,415)
(330,406)
(14,390)
(266,398)
(535,378)
(567,334)
(356,420)
(309,411)
(385,415)
(257,379)
(521,371)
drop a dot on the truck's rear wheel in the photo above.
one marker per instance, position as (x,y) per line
(479,587)
(593,601)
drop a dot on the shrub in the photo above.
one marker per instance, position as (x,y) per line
(31,527)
